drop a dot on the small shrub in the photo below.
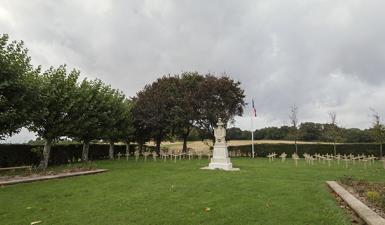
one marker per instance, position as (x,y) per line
(347,180)
(373,196)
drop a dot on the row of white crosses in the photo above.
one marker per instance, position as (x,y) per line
(271,156)
(326,158)
(346,158)
(172,155)
(239,153)
(295,157)
(120,155)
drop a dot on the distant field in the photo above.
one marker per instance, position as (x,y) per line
(200,146)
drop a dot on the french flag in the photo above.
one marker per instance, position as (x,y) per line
(254,110)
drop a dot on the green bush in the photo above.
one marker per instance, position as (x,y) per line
(264,149)
(25,154)
(17,155)
(373,196)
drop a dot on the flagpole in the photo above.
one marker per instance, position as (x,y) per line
(252,135)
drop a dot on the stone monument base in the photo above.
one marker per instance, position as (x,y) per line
(220,160)
(218,168)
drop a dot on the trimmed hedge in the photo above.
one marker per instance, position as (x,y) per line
(264,149)
(24,154)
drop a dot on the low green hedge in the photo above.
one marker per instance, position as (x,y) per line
(24,154)
(264,149)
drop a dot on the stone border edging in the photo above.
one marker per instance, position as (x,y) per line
(368,215)
(49,177)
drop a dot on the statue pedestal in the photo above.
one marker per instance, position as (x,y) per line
(220,159)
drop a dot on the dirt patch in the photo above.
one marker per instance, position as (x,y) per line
(371,194)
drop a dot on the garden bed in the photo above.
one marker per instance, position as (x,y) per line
(24,177)
(371,194)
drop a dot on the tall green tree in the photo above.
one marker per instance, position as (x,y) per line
(218,97)
(378,130)
(57,90)
(332,132)
(113,116)
(186,110)
(294,133)
(126,126)
(87,114)
(355,135)
(310,131)
(235,133)
(17,93)
(142,132)
(154,109)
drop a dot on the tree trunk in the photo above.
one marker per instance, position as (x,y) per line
(86,147)
(184,144)
(111,150)
(140,148)
(381,155)
(185,136)
(296,147)
(335,148)
(158,141)
(127,148)
(46,151)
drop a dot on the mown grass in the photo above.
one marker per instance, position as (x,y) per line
(178,193)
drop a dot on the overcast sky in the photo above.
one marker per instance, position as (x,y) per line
(323,56)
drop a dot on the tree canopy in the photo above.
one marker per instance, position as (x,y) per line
(17,95)
(175,104)
(51,120)
(219,97)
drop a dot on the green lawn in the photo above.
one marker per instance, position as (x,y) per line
(178,193)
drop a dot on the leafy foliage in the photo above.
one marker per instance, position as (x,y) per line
(16,94)
(87,111)
(57,90)
(115,117)
(308,131)
(153,109)
(175,104)
(378,130)
(235,133)
(219,97)
(186,110)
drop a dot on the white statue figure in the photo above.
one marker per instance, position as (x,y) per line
(220,159)
(220,133)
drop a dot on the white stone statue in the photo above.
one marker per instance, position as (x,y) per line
(220,159)
(220,133)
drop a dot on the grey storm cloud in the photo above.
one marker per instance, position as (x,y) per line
(325,55)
